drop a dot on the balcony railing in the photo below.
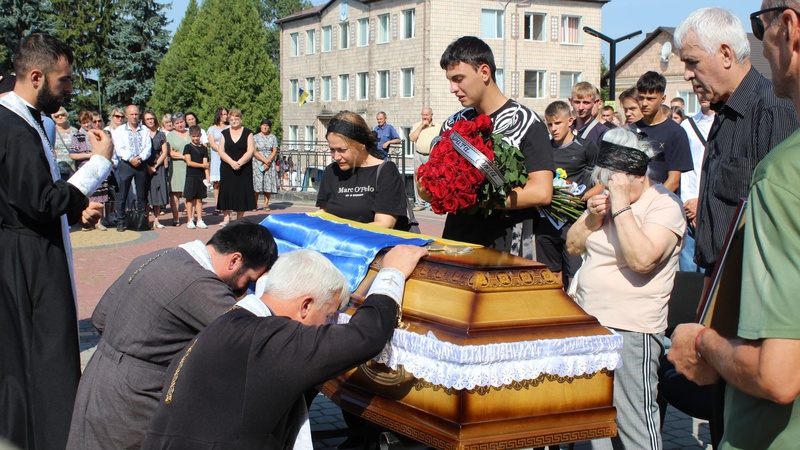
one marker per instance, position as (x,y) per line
(311,157)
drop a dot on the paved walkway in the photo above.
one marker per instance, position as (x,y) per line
(101,256)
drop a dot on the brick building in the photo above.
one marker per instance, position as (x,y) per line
(383,55)
(647,56)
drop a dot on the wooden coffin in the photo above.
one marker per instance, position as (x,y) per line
(479,298)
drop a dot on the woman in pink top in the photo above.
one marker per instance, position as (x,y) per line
(631,239)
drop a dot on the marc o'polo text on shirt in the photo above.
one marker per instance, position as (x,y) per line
(356,191)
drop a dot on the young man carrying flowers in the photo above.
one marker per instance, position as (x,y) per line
(506,224)
(574,158)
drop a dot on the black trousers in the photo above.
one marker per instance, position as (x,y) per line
(127,173)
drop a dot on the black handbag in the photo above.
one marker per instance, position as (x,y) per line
(136,221)
(65,170)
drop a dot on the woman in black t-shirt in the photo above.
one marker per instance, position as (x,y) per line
(359,185)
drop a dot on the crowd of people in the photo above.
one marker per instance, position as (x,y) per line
(167,164)
(660,188)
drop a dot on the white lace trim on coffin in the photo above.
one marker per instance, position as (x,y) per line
(495,365)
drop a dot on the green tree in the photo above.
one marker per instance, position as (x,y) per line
(232,36)
(19,18)
(603,71)
(136,46)
(85,27)
(225,65)
(174,86)
(270,11)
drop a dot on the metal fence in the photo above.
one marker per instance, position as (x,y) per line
(309,159)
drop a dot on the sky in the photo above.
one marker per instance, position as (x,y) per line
(620,17)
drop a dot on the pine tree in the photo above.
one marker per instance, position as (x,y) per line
(236,70)
(174,87)
(84,26)
(136,46)
(19,18)
(220,61)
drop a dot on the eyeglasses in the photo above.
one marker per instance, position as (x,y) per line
(758,25)
(97,121)
(118,116)
(58,116)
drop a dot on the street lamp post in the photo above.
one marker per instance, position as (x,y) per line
(504,41)
(612,71)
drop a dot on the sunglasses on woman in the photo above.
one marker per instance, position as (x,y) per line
(758,25)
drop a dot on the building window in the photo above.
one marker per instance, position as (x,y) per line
(344,86)
(571,30)
(383,84)
(534,84)
(310,135)
(568,79)
(492,24)
(292,135)
(501,82)
(326,39)
(407,82)
(310,42)
(690,98)
(310,89)
(534,27)
(383,28)
(363,85)
(295,44)
(363,32)
(293,91)
(409,23)
(408,146)
(326,89)
(344,36)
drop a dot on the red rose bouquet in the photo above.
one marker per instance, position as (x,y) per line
(457,184)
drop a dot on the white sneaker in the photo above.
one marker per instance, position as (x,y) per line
(202,225)
(190,225)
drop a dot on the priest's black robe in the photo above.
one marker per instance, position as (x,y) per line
(147,316)
(39,350)
(240,383)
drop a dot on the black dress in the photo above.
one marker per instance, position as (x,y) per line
(236,186)
(159,188)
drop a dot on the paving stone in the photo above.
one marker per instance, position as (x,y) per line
(97,267)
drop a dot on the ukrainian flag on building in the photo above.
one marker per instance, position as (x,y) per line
(303,97)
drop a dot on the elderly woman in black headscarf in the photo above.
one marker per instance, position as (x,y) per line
(359,185)
(631,238)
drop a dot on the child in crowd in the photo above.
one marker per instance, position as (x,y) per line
(629,100)
(197,174)
(577,157)
(585,98)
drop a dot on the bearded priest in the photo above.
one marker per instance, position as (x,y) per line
(39,348)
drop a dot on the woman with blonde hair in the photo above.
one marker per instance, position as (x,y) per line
(236,147)
(177,139)
(81,150)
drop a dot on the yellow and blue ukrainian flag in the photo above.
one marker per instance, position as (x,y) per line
(303,97)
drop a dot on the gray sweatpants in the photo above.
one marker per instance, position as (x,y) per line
(635,391)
